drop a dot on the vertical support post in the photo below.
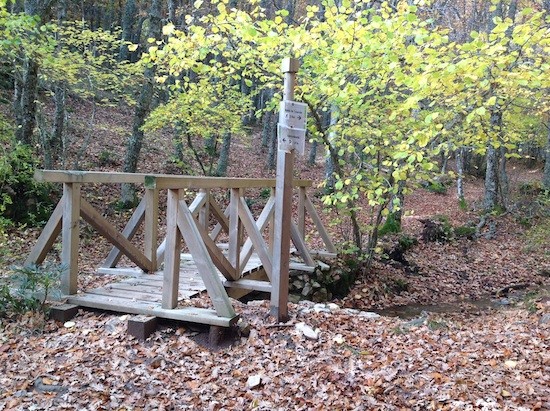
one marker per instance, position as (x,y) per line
(283,208)
(170,283)
(151,226)
(204,212)
(235,231)
(271,227)
(302,212)
(70,238)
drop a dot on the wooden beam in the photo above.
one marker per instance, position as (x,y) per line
(219,260)
(204,211)
(172,252)
(129,231)
(302,212)
(219,215)
(190,314)
(204,263)
(254,285)
(281,241)
(103,227)
(235,233)
(319,225)
(264,218)
(255,236)
(47,237)
(150,235)
(237,293)
(300,244)
(70,238)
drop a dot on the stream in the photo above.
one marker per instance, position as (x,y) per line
(464,306)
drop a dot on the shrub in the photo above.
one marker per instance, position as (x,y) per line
(22,199)
(28,289)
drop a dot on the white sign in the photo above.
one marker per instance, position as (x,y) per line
(293,114)
(291,138)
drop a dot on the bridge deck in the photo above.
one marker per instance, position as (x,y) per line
(141,293)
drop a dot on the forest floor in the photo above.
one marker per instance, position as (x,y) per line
(458,354)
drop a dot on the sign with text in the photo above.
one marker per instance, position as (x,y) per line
(291,130)
(293,114)
(291,138)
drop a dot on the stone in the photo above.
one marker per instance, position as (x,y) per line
(244,328)
(333,307)
(320,295)
(368,314)
(545,319)
(307,331)
(315,284)
(307,290)
(254,381)
(293,298)
(321,308)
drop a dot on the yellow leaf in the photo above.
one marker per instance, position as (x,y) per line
(505,393)
(168,29)
(132,47)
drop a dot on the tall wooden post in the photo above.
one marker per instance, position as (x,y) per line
(70,238)
(283,208)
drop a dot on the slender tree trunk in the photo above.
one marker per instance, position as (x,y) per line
(503,183)
(128,19)
(546,175)
(223,161)
(143,107)
(329,164)
(272,143)
(460,175)
(25,129)
(312,153)
(491,179)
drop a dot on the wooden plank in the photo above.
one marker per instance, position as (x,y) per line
(217,256)
(302,212)
(47,237)
(150,235)
(159,181)
(206,267)
(163,182)
(160,253)
(281,240)
(233,251)
(129,231)
(123,271)
(255,236)
(241,292)
(72,176)
(126,294)
(172,253)
(204,211)
(254,285)
(300,244)
(323,254)
(103,227)
(319,225)
(70,238)
(219,215)
(189,314)
(264,218)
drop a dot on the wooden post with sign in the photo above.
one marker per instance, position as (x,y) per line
(291,137)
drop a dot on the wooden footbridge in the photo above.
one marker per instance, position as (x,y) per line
(229,251)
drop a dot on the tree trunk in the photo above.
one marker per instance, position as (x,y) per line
(491,179)
(460,175)
(546,175)
(312,153)
(143,107)
(504,186)
(223,161)
(272,143)
(27,105)
(128,19)
(329,164)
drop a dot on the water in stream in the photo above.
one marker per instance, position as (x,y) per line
(463,306)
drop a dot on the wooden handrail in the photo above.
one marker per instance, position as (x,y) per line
(157,181)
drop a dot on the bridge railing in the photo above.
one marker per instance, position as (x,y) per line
(220,236)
